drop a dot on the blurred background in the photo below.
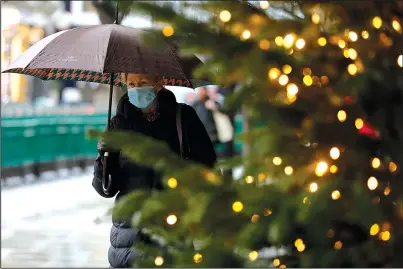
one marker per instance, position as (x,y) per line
(51,216)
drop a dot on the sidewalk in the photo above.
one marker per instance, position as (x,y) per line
(54,224)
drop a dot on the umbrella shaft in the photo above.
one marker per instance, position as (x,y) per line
(110,101)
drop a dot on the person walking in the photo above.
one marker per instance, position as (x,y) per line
(204,108)
(150,109)
(224,125)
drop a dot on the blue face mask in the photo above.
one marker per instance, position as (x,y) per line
(141,97)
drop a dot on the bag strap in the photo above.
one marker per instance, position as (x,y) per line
(179,128)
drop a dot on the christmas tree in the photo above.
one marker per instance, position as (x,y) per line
(321,87)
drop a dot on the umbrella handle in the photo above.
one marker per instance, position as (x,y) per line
(106,178)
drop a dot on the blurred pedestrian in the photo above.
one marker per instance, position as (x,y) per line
(224,125)
(149,109)
(204,107)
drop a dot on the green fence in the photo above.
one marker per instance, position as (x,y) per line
(46,139)
(40,139)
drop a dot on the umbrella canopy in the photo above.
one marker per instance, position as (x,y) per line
(93,53)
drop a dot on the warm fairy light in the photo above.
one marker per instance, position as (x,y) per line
(315,18)
(292,89)
(225,16)
(197,258)
(365,34)
(313,187)
(392,167)
(172,219)
(385,236)
(324,80)
(256,19)
(345,53)
(342,115)
(289,41)
(334,153)
(342,44)
(352,69)
(333,169)
(237,206)
(400,60)
(386,191)
(264,4)
(376,200)
(253,255)
(307,71)
(300,44)
(372,183)
(264,44)
(305,200)
(283,80)
(298,242)
(377,22)
(159,261)
(330,233)
(396,25)
(277,161)
(307,80)
(210,176)
(267,212)
(359,123)
(321,168)
(322,41)
(283,266)
(237,28)
(276,262)
(279,41)
(299,245)
(336,195)
(287,69)
(245,34)
(386,41)
(261,177)
(301,248)
(376,162)
(291,98)
(172,183)
(352,53)
(274,73)
(338,245)
(168,31)
(255,218)
(288,170)
(249,179)
(374,230)
(353,36)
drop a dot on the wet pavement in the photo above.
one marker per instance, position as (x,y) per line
(56,223)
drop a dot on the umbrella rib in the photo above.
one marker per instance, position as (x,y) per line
(177,61)
(107,50)
(141,59)
(41,51)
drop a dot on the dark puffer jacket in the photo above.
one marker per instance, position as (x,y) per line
(128,176)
